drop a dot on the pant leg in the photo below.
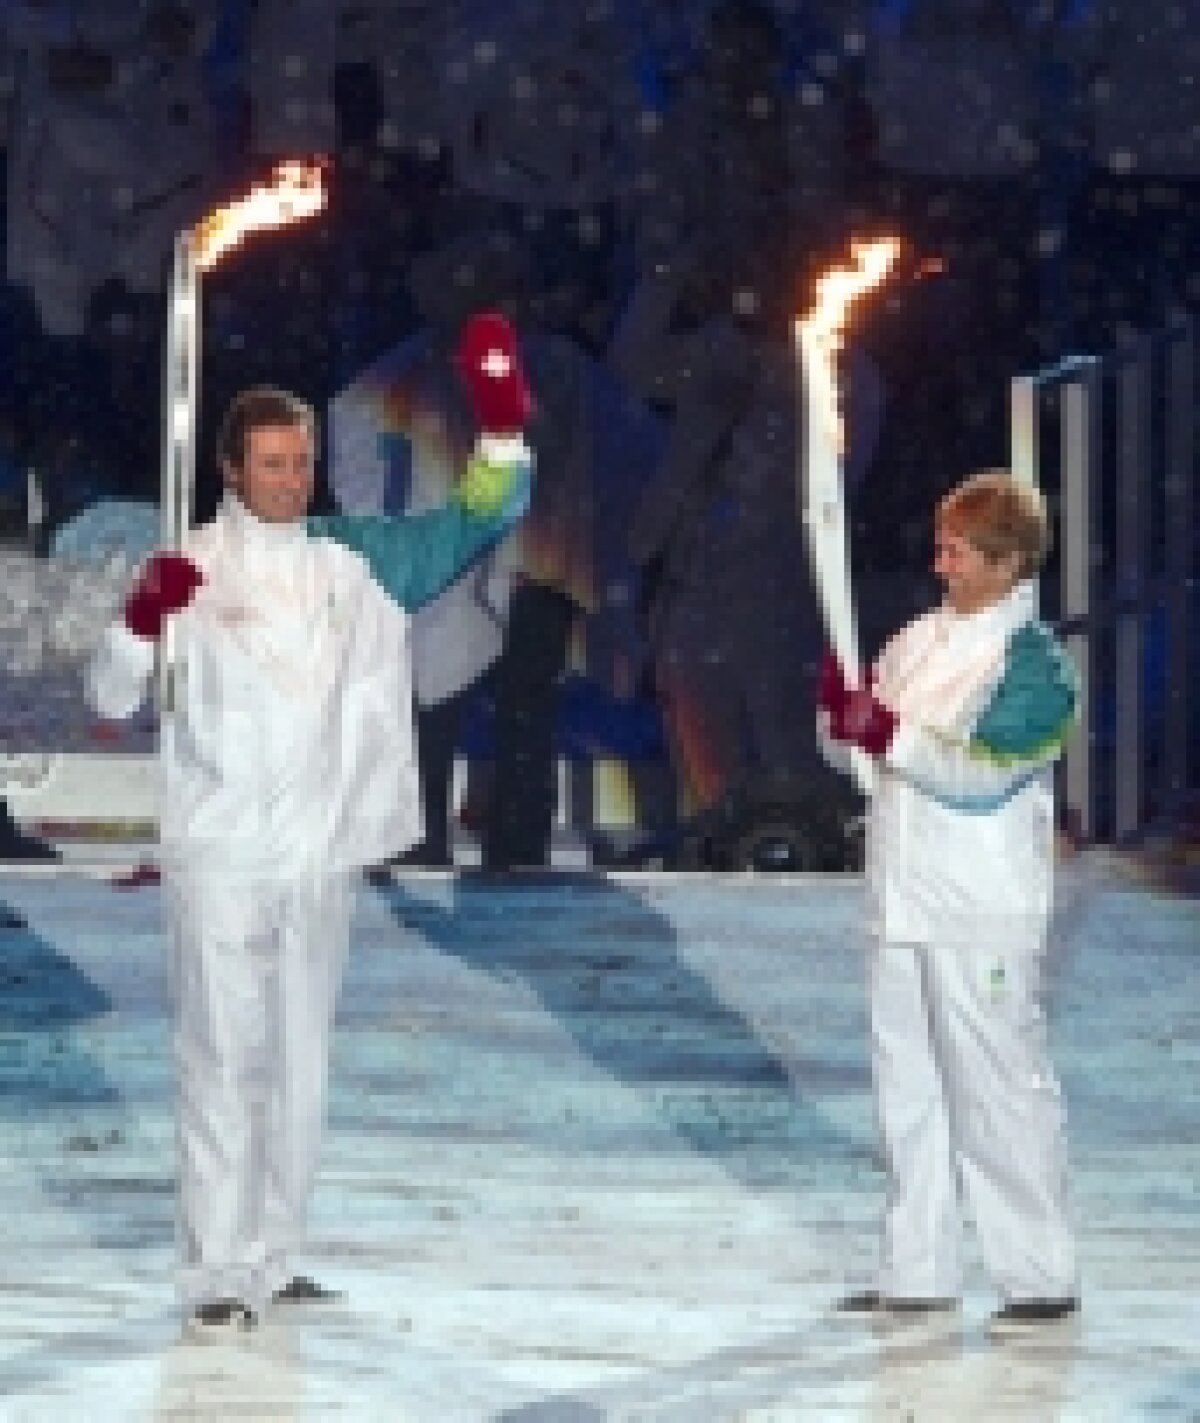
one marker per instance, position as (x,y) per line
(438,729)
(222,965)
(314,938)
(919,1256)
(1008,1122)
(521,813)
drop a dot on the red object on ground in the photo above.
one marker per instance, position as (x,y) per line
(143,874)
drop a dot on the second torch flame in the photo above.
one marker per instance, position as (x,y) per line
(823,330)
(821,487)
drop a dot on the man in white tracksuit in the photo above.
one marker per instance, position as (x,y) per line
(288,764)
(965,710)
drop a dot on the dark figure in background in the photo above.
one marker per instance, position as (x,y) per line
(554,585)
(520,605)
(457,637)
(732,619)
(524,794)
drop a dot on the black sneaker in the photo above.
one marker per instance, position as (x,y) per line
(220,1318)
(1024,1314)
(300,1289)
(16,845)
(872,1302)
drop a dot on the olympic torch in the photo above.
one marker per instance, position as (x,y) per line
(295,190)
(820,485)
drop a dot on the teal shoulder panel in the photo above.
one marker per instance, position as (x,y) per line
(1033,707)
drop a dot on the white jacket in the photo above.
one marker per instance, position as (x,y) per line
(290,748)
(960,830)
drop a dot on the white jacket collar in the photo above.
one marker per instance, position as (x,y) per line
(1002,617)
(941,669)
(258,536)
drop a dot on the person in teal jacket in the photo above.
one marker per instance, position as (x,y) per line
(288,764)
(965,712)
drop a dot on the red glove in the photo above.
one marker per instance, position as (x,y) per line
(166,586)
(864,721)
(490,366)
(833,691)
(831,685)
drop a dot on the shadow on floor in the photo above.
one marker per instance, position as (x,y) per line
(607,967)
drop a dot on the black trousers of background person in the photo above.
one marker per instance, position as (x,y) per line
(438,730)
(525,680)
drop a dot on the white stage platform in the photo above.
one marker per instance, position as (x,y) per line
(600,1149)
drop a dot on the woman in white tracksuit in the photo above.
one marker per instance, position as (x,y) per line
(288,764)
(966,710)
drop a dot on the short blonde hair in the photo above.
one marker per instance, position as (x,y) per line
(1000,515)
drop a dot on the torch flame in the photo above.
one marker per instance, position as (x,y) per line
(294,191)
(822,331)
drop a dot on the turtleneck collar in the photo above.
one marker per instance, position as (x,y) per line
(941,668)
(1018,606)
(259,533)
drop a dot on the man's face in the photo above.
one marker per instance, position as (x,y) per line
(275,479)
(971,578)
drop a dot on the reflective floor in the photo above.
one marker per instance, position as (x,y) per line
(599,1149)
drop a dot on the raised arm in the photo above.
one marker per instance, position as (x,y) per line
(415,556)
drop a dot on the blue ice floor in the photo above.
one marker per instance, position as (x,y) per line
(599,1148)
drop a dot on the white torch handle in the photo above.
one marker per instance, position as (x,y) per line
(178,471)
(823,503)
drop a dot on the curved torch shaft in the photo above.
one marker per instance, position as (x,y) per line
(824,513)
(822,488)
(296,190)
(178,472)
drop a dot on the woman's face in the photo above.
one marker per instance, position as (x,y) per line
(971,578)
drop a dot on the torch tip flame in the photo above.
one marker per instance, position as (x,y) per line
(822,331)
(294,191)
(840,287)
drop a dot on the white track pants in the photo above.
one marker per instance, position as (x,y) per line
(255,970)
(967,1100)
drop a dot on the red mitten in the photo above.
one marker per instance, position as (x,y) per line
(832,687)
(490,366)
(166,586)
(831,684)
(864,721)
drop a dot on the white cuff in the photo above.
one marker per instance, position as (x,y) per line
(136,653)
(502,449)
(905,740)
(116,676)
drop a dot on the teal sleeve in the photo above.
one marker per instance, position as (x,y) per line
(1033,709)
(1020,731)
(414,557)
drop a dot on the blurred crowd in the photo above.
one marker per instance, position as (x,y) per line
(649,192)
